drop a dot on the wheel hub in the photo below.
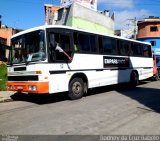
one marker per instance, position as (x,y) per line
(76,88)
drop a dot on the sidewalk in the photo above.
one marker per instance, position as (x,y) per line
(5,96)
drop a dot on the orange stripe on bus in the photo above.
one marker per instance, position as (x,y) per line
(42,87)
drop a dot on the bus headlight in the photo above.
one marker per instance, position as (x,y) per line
(32,88)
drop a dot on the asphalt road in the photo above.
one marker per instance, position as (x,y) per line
(111,110)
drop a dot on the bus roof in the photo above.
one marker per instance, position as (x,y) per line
(73,28)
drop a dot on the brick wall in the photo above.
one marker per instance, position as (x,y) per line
(144,29)
(7,33)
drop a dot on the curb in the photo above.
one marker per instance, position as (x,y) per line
(5,96)
(2,100)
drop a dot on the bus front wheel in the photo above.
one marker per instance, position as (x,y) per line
(76,88)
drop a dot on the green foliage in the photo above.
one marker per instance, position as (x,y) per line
(3,76)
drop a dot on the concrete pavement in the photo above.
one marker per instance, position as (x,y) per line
(6,96)
(111,110)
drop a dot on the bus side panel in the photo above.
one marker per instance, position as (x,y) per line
(144,66)
(58,83)
(107,77)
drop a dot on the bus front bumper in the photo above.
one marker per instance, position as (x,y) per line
(29,87)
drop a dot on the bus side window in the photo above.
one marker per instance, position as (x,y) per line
(124,47)
(100,44)
(61,41)
(84,42)
(64,42)
(56,36)
(75,43)
(52,46)
(130,50)
(109,45)
(93,43)
(137,49)
(146,51)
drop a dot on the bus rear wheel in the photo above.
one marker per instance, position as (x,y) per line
(156,77)
(76,88)
(134,79)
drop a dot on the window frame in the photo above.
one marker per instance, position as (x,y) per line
(60,32)
(153,43)
(153,28)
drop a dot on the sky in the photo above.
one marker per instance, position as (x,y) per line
(24,14)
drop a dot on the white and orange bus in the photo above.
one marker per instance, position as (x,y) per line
(52,59)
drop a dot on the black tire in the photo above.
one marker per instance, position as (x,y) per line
(156,77)
(76,88)
(134,79)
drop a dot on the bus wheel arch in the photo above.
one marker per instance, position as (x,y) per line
(134,78)
(78,85)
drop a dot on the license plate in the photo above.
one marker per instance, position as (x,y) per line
(20,87)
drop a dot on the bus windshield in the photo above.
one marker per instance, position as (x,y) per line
(28,48)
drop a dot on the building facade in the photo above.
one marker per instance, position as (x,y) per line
(91,4)
(80,16)
(5,36)
(3,47)
(149,31)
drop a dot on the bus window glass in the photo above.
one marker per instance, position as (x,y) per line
(93,43)
(84,42)
(137,49)
(146,51)
(124,47)
(75,43)
(62,40)
(109,45)
(100,45)
(65,42)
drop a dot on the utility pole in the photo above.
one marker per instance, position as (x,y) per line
(135,27)
(134,21)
